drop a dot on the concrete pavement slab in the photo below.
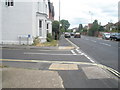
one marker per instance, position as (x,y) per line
(24,78)
(94,72)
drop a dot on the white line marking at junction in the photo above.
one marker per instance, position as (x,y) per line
(106,44)
(54,50)
(50,54)
(72,43)
(93,41)
(86,39)
(78,51)
(73,52)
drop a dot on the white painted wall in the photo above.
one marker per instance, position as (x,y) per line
(50,26)
(16,20)
(21,19)
(0,22)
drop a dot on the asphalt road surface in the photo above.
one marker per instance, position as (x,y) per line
(102,51)
(78,74)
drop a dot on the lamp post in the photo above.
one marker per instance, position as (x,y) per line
(91,15)
(59,21)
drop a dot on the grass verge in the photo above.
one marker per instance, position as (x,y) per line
(48,44)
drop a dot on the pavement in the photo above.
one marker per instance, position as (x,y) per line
(62,44)
(55,74)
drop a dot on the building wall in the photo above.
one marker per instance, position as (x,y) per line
(22,20)
(0,22)
(49,22)
(17,21)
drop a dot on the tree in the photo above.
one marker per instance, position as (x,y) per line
(55,29)
(65,24)
(101,28)
(80,28)
(94,28)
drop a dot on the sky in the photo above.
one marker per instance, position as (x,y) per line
(86,11)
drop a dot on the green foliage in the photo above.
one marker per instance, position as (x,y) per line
(65,24)
(94,28)
(49,37)
(55,30)
(36,41)
(80,28)
(55,26)
(101,28)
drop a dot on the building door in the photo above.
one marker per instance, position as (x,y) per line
(40,27)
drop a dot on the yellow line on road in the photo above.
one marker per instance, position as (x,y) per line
(68,62)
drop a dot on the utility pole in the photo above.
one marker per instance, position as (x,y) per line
(59,21)
(91,15)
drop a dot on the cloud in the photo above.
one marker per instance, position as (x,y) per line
(77,11)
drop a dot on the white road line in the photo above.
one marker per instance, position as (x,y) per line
(85,55)
(106,44)
(73,52)
(72,43)
(54,50)
(50,54)
(89,58)
(78,51)
(93,41)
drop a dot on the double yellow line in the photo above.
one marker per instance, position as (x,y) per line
(115,72)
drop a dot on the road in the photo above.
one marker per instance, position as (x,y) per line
(75,67)
(102,51)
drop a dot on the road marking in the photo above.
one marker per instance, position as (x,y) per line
(73,52)
(89,58)
(54,50)
(106,44)
(115,72)
(85,55)
(50,54)
(72,43)
(78,51)
(93,41)
(86,39)
(45,61)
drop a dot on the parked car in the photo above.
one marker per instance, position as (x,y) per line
(106,36)
(67,35)
(115,36)
(77,35)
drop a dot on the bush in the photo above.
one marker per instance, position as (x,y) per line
(49,37)
(36,41)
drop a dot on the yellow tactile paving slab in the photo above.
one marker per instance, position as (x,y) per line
(63,67)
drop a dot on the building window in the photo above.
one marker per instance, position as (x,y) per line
(9,3)
(40,24)
(12,3)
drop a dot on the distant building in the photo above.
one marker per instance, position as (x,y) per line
(89,26)
(50,17)
(109,26)
(23,21)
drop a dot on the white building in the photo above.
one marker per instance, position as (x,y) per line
(22,21)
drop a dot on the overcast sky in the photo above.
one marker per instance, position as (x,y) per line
(80,11)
